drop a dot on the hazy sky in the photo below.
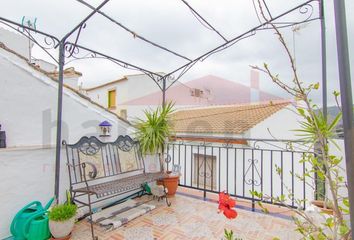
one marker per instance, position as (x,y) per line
(171,24)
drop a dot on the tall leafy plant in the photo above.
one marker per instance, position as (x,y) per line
(318,133)
(153,131)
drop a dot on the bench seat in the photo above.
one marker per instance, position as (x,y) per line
(120,185)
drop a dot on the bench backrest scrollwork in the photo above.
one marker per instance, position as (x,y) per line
(108,158)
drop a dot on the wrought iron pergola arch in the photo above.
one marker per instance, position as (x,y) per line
(71,51)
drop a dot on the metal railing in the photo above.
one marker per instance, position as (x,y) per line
(268,166)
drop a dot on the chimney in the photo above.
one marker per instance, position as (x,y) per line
(254,86)
(71,77)
(16,42)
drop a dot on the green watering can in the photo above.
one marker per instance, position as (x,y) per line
(32,212)
(36,227)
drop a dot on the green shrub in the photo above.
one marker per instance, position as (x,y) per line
(153,131)
(62,212)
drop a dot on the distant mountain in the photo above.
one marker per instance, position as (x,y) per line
(332,112)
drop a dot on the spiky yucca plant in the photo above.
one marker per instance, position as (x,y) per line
(153,131)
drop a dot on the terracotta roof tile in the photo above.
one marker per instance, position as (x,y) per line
(69,72)
(231,119)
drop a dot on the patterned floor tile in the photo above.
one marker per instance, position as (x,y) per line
(190,218)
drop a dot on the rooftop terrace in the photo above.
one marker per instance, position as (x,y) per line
(190,217)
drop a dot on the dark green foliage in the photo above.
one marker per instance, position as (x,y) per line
(153,132)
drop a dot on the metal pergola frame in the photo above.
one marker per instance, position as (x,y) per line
(346,98)
(73,50)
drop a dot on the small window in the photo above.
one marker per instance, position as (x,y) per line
(123,113)
(112,99)
(204,170)
(195,92)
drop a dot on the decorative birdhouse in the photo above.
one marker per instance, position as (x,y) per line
(105,127)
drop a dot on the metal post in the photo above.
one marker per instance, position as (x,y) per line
(346,98)
(253,200)
(59,119)
(163,91)
(204,192)
(324,59)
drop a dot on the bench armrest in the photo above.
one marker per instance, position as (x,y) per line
(92,174)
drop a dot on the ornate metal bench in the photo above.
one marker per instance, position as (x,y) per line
(106,170)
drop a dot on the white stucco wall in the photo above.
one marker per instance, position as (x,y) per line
(16,42)
(27,174)
(134,87)
(100,95)
(46,66)
(72,82)
(29,107)
(28,115)
(279,125)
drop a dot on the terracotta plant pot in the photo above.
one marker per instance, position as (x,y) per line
(320,204)
(61,230)
(64,238)
(171,183)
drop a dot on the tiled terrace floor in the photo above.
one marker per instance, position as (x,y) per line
(191,218)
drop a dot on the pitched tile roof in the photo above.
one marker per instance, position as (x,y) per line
(230,119)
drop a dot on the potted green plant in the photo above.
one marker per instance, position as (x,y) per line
(62,219)
(153,133)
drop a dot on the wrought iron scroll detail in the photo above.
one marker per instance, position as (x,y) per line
(89,146)
(253,180)
(125,143)
(71,50)
(306,13)
(203,173)
(92,174)
(206,175)
(168,158)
